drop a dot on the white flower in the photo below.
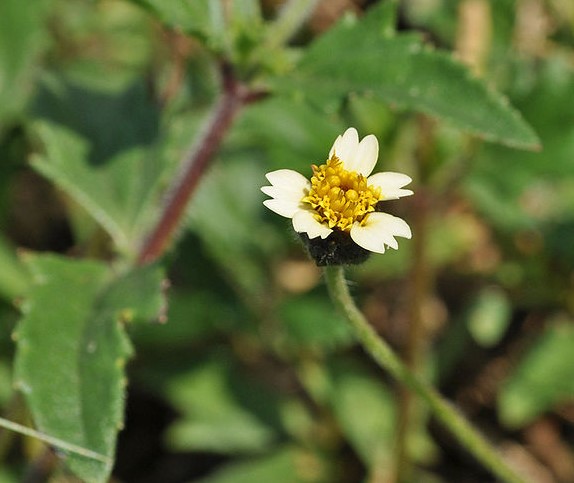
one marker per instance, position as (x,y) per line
(342,196)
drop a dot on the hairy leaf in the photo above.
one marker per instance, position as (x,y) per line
(72,348)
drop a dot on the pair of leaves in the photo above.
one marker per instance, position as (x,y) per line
(72,348)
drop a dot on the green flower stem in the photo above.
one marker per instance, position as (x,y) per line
(385,357)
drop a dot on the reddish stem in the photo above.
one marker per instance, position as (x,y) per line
(194,165)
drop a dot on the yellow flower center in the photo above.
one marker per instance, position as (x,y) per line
(340,197)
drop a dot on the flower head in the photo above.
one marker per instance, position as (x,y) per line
(339,206)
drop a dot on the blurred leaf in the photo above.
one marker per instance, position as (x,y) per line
(292,133)
(7,477)
(203,18)
(13,276)
(365,411)
(489,317)
(71,351)
(113,122)
(401,71)
(21,39)
(311,321)
(192,317)
(6,389)
(102,46)
(224,214)
(542,379)
(118,195)
(214,419)
(535,186)
(282,466)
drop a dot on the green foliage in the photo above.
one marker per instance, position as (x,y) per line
(489,317)
(370,60)
(282,467)
(311,322)
(72,350)
(201,17)
(366,413)
(214,418)
(21,39)
(542,379)
(13,277)
(117,195)
(255,377)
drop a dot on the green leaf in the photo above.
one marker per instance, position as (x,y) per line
(13,276)
(118,195)
(214,417)
(511,201)
(404,73)
(289,130)
(204,18)
(313,322)
(542,379)
(489,317)
(231,231)
(21,39)
(72,348)
(365,410)
(279,467)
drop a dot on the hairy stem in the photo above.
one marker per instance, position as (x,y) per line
(194,165)
(386,358)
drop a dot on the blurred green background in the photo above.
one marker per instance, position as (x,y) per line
(255,377)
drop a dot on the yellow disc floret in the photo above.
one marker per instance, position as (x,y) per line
(340,197)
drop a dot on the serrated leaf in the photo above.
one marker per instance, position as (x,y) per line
(542,379)
(72,348)
(359,56)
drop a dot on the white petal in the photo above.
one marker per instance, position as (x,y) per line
(283,207)
(278,192)
(345,146)
(289,187)
(391,184)
(380,230)
(365,157)
(288,180)
(305,222)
